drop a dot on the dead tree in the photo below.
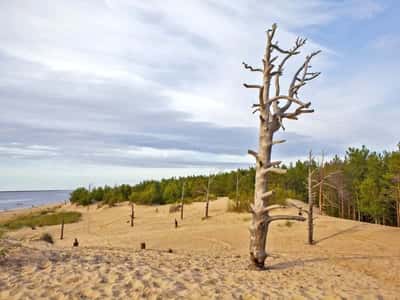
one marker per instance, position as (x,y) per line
(310,210)
(321,186)
(62,229)
(396,181)
(132,214)
(237,191)
(272,113)
(310,202)
(183,195)
(207,196)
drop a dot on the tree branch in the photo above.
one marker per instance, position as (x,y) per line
(252,86)
(284,217)
(291,99)
(246,66)
(304,67)
(274,163)
(298,44)
(267,194)
(278,142)
(272,207)
(273,170)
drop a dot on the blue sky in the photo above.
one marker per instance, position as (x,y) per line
(117,91)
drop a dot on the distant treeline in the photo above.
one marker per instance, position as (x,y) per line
(364,186)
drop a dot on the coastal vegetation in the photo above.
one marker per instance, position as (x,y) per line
(39,219)
(367,187)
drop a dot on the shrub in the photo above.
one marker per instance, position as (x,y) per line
(39,220)
(80,196)
(46,237)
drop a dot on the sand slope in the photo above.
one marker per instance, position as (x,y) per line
(209,259)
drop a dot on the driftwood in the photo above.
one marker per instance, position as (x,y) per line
(273,109)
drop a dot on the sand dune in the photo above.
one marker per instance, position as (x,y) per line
(209,258)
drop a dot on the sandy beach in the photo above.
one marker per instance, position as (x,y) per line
(201,259)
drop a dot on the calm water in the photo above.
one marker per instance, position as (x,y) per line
(22,199)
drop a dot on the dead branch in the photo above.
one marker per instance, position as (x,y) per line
(246,66)
(284,217)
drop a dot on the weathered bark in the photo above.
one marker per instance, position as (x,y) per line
(271,116)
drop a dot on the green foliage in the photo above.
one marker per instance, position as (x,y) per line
(40,219)
(367,186)
(47,237)
(80,196)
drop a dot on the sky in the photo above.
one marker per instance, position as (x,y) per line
(117,91)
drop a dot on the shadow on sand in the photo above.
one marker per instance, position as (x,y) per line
(295,263)
(348,230)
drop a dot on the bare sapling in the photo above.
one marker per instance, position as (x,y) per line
(62,229)
(132,214)
(182,197)
(207,196)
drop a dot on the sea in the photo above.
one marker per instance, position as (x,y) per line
(24,199)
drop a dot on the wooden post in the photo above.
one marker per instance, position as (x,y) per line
(132,214)
(183,195)
(62,229)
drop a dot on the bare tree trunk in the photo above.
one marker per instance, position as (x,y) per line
(62,229)
(321,186)
(183,195)
(341,202)
(237,191)
(311,202)
(132,214)
(398,203)
(271,116)
(348,210)
(207,197)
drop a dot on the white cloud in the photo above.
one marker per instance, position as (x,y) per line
(159,69)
